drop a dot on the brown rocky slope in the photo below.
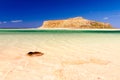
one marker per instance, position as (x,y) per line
(76,23)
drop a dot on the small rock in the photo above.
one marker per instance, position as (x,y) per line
(35,54)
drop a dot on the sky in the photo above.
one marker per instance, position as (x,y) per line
(32,13)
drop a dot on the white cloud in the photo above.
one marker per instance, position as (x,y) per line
(13,21)
(4,22)
(112,16)
(106,18)
(16,21)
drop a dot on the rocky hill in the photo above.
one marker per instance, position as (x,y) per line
(76,23)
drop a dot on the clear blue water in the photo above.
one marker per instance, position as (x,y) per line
(60,40)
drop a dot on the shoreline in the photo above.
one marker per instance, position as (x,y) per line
(58,29)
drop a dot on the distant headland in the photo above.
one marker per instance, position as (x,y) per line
(76,23)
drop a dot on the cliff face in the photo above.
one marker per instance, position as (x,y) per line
(76,23)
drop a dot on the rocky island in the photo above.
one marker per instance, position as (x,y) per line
(76,23)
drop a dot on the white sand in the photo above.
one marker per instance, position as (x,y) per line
(63,59)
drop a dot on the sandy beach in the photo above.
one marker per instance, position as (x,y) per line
(66,57)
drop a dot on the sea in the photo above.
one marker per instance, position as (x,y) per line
(50,41)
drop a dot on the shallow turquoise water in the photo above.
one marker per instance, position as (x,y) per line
(60,40)
(59,35)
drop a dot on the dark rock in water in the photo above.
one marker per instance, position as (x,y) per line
(35,54)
